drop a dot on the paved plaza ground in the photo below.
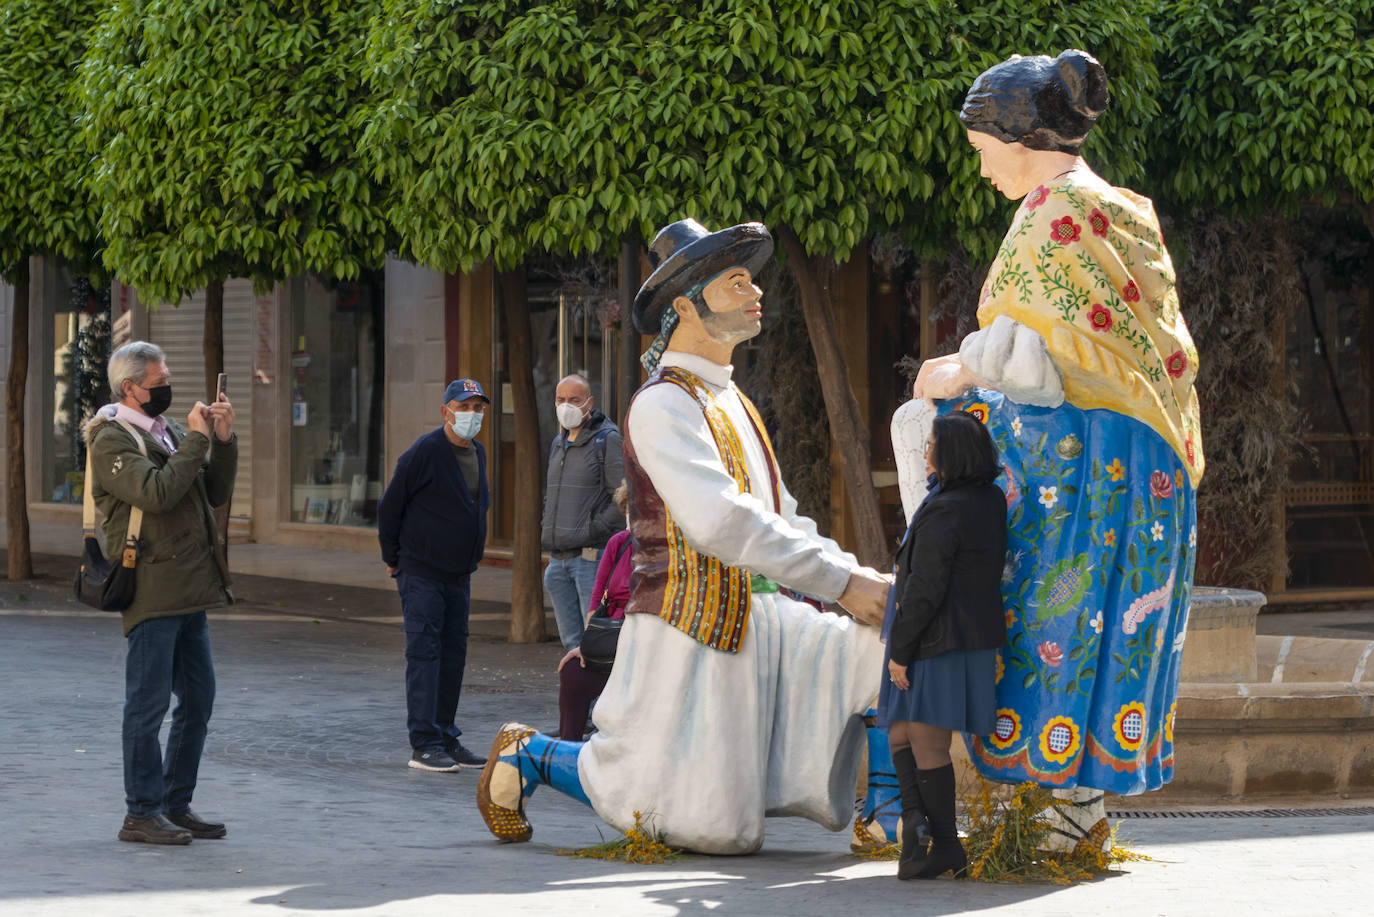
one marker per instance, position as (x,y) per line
(306,763)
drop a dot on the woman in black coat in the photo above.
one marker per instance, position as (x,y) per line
(943,629)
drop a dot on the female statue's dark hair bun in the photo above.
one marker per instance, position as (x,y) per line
(1085,83)
(1040,102)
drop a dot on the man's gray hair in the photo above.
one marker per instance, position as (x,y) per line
(587,383)
(130,364)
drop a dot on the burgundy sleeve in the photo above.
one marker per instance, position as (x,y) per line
(603,569)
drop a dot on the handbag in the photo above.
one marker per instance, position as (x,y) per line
(602,633)
(99,583)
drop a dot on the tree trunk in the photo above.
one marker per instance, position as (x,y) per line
(927,342)
(629,338)
(17,501)
(847,427)
(212,339)
(527,583)
(1366,210)
(212,348)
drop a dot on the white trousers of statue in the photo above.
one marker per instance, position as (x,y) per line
(705,744)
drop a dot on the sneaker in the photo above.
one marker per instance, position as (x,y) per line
(433,759)
(465,757)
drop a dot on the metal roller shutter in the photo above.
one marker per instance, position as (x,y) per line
(180,331)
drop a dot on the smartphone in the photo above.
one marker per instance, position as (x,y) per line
(221,385)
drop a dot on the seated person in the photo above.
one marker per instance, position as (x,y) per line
(579,686)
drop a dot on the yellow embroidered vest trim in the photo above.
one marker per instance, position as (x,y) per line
(704,598)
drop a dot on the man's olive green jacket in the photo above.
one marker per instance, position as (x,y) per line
(180,569)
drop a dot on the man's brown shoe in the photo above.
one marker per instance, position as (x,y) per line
(153,830)
(201,830)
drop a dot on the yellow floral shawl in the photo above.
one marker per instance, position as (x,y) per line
(1084,265)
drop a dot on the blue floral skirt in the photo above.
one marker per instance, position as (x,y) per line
(1101,534)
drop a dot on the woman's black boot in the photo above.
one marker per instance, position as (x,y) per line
(915,830)
(946,851)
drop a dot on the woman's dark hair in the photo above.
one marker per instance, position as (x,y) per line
(964,452)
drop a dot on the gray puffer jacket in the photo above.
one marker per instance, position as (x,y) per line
(579,511)
(180,570)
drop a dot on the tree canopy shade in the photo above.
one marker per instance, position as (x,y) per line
(1273,103)
(225,136)
(44,205)
(44,208)
(518,128)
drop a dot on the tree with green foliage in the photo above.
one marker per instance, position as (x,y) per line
(46,209)
(512,129)
(1272,108)
(226,144)
(1274,104)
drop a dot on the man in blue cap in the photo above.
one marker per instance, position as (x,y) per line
(432,524)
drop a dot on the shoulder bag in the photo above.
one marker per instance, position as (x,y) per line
(602,632)
(99,583)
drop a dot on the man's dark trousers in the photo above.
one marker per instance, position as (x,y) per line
(166,656)
(436,628)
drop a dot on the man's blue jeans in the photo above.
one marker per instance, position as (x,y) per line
(166,656)
(570,581)
(436,628)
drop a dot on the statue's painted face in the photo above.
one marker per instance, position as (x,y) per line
(735,306)
(1004,164)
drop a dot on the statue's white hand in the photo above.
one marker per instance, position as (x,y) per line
(866,595)
(943,377)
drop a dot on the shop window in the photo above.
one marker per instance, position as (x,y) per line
(337,378)
(573,321)
(76,354)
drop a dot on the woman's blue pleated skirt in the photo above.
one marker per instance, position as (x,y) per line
(955,690)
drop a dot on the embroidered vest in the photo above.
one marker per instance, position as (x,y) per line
(694,592)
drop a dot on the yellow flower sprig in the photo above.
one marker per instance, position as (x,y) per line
(640,845)
(1007,831)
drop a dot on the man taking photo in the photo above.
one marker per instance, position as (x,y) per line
(176,476)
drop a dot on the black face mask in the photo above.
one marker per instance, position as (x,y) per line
(159,400)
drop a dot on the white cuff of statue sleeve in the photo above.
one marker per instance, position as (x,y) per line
(1015,361)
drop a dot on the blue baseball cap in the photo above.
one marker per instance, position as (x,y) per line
(463,389)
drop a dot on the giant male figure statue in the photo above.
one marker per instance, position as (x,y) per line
(729,701)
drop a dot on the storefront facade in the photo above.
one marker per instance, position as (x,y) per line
(330,384)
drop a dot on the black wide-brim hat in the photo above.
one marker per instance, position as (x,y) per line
(685,254)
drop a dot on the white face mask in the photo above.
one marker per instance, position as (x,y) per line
(569,415)
(466,424)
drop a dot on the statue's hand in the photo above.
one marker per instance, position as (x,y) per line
(866,595)
(943,377)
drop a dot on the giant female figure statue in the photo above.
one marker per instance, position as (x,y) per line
(1083,370)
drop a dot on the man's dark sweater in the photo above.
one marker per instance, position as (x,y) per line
(428,522)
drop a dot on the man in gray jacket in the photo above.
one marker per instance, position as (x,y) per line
(580,515)
(175,476)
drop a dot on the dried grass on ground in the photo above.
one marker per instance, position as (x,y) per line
(641,845)
(1007,830)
